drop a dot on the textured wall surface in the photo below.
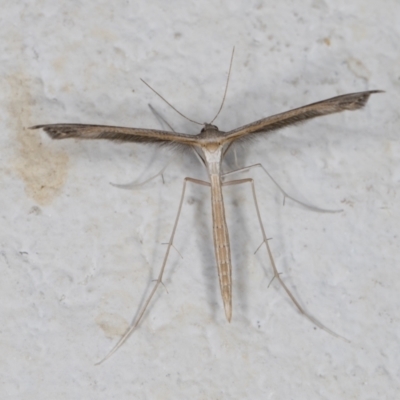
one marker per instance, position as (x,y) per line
(78,256)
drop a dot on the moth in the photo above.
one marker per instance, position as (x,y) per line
(212,145)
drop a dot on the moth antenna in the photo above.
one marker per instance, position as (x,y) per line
(159,95)
(226,87)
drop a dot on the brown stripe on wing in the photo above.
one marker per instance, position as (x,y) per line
(352,101)
(83,131)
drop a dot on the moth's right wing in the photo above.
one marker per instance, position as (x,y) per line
(83,131)
(352,101)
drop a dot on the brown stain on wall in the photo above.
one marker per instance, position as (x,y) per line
(42,168)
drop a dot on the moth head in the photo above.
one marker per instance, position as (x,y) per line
(209,127)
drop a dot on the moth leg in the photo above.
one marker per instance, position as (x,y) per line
(285,194)
(136,185)
(272,261)
(135,324)
(161,118)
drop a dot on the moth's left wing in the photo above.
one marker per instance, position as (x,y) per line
(352,101)
(83,131)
